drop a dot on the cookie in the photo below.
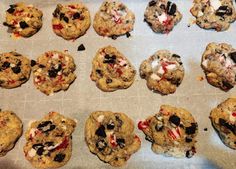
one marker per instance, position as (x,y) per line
(113,19)
(23,20)
(71,21)
(214,14)
(14,69)
(172,132)
(10,131)
(53,71)
(223,119)
(163,72)
(49,141)
(219,65)
(110,136)
(162,16)
(111,70)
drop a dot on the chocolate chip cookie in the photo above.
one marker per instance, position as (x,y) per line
(162,16)
(49,141)
(223,119)
(110,136)
(10,131)
(111,70)
(71,21)
(23,20)
(214,14)
(219,65)
(53,71)
(14,69)
(113,19)
(163,72)
(172,132)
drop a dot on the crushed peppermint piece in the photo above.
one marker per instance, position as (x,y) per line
(171,66)
(161,70)
(162,18)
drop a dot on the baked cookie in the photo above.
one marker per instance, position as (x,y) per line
(223,119)
(162,16)
(49,141)
(10,131)
(214,14)
(14,69)
(172,132)
(110,136)
(113,19)
(23,20)
(111,70)
(71,21)
(53,71)
(163,71)
(219,65)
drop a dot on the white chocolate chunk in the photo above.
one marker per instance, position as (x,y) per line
(12,65)
(162,18)
(204,63)
(155,77)
(155,63)
(100,118)
(215,4)
(171,67)
(161,70)
(200,13)
(32,152)
(55,56)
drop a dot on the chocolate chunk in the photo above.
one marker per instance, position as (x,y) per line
(227,85)
(66,19)
(175,120)
(223,10)
(76,15)
(189,153)
(59,157)
(41,66)
(16,69)
(121,142)
(152,3)
(101,145)
(114,37)
(101,131)
(223,122)
(81,47)
(188,140)
(37,146)
(233,56)
(40,151)
(49,143)
(11,9)
(62,16)
(128,34)
(110,125)
(205,129)
(99,72)
(159,126)
(108,80)
(5,65)
(176,56)
(46,126)
(171,8)
(23,79)
(56,12)
(162,6)
(19,63)
(120,122)
(59,67)
(175,81)
(192,129)
(23,24)
(52,73)
(148,138)
(109,59)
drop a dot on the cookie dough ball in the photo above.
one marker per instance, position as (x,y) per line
(172,132)
(214,14)
(71,21)
(23,20)
(111,70)
(219,65)
(110,136)
(14,70)
(223,119)
(10,131)
(163,72)
(49,141)
(162,16)
(53,71)
(113,19)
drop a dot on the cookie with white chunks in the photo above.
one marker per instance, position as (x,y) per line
(113,19)
(49,141)
(53,71)
(163,72)
(223,119)
(14,70)
(111,70)
(23,20)
(110,136)
(10,131)
(219,65)
(172,132)
(214,14)
(162,16)
(71,21)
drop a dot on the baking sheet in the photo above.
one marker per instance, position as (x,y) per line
(137,101)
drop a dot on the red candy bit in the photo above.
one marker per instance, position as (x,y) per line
(119,71)
(171,134)
(64,144)
(143,125)
(234,114)
(11,81)
(113,140)
(72,6)
(57,27)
